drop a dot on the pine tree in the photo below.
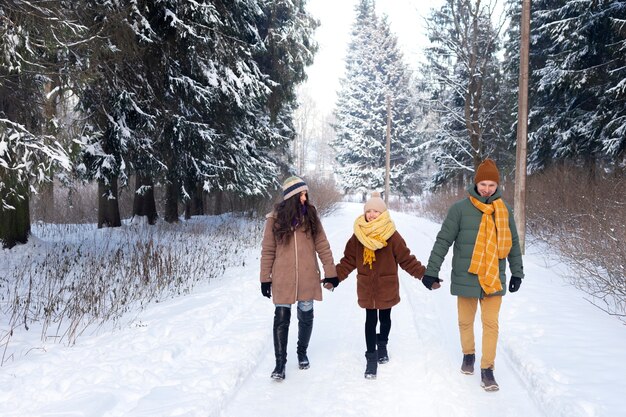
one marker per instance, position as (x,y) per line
(35,40)
(116,98)
(375,71)
(193,112)
(577,83)
(261,127)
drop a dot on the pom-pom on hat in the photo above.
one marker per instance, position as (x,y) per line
(375,203)
(487,171)
(293,186)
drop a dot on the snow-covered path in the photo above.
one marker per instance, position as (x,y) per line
(422,377)
(209,354)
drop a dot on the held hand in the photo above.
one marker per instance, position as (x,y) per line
(514,284)
(330,283)
(431,283)
(266,289)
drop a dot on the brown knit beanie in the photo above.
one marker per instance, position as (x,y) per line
(293,186)
(487,171)
(375,203)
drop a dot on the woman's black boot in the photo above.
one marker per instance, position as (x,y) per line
(305,327)
(282,316)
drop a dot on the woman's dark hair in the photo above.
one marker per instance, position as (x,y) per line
(290,214)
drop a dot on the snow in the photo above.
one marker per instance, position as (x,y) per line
(210,353)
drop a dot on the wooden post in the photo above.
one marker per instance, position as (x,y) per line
(519,208)
(388,151)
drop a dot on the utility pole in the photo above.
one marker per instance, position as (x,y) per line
(388,151)
(519,208)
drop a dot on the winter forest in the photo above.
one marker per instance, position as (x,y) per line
(139,117)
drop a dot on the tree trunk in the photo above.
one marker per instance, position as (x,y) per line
(108,204)
(46,205)
(219,202)
(171,202)
(188,209)
(144,203)
(458,183)
(197,200)
(194,206)
(592,169)
(15,222)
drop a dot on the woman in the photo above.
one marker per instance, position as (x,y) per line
(292,241)
(484,235)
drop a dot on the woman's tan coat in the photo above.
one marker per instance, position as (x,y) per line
(292,267)
(379,288)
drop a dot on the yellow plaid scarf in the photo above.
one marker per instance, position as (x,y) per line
(373,235)
(493,242)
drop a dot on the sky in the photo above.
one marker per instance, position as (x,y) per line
(336,19)
(210,353)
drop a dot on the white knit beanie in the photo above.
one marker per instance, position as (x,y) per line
(293,186)
(375,203)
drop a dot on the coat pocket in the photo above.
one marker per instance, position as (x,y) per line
(388,289)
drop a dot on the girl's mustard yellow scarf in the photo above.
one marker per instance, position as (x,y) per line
(493,242)
(373,235)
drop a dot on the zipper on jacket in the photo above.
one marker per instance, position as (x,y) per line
(295,242)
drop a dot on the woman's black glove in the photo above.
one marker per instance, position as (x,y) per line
(431,282)
(332,280)
(266,289)
(514,284)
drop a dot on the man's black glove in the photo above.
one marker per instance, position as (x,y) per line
(431,282)
(266,289)
(334,281)
(514,284)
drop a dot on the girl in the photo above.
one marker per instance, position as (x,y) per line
(375,250)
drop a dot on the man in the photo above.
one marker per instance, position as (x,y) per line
(484,235)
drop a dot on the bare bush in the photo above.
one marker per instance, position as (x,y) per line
(75,279)
(75,203)
(324,194)
(435,206)
(582,215)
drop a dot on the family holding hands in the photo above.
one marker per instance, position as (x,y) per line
(481,228)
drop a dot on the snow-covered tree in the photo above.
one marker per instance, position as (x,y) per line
(198,95)
(578,92)
(34,42)
(375,73)
(116,91)
(509,84)
(263,128)
(464,73)
(209,83)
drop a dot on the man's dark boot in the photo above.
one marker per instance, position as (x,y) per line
(383,356)
(305,327)
(282,316)
(372,364)
(467,367)
(487,380)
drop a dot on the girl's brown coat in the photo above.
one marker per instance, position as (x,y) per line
(292,268)
(378,288)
